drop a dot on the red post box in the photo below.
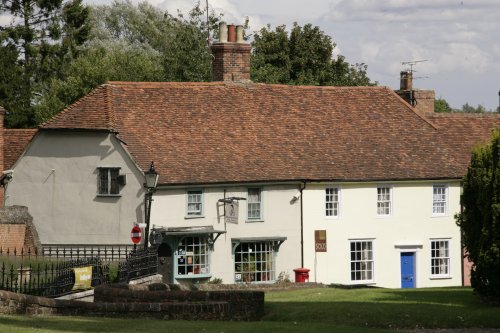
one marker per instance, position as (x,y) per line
(301,275)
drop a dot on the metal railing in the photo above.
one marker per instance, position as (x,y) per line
(139,263)
(74,251)
(49,278)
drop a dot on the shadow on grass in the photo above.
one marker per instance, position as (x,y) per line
(17,324)
(394,309)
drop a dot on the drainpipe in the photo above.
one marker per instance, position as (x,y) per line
(301,188)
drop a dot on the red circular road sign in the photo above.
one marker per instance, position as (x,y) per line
(136,234)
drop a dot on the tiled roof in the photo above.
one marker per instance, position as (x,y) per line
(15,141)
(462,131)
(229,132)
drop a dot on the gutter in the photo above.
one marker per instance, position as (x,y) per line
(301,188)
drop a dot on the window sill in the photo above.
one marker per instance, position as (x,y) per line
(439,215)
(254,220)
(332,217)
(444,277)
(363,283)
(108,195)
(194,217)
(193,276)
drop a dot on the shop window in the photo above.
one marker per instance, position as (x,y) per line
(192,257)
(254,262)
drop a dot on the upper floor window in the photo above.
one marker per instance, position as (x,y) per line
(439,199)
(194,203)
(108,183)
(254,204)
(362,261)
(332,202)
(440,258)
(384,201)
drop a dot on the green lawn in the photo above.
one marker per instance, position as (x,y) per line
(309,310)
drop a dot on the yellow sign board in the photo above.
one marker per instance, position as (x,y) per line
(83,278)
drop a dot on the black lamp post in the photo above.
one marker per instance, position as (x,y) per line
(151,178)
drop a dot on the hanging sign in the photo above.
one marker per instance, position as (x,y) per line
(231,212)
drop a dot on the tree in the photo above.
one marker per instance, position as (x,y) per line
(470,109)
(133,43)
(44,34)
(441,106)
(303,56)
(480,219)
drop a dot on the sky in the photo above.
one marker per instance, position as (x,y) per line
(456,43)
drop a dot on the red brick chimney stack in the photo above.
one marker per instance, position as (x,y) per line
(421,100)
(231,55)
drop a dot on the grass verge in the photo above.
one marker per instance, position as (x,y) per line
(307,310)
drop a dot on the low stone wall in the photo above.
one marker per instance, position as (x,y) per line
(241,305)
(111,301)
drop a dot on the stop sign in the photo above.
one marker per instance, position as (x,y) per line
(136,234)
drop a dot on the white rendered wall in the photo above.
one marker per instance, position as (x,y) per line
(410,228)
(281,218)
(57,178)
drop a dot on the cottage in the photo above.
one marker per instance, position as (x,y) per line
(352,183)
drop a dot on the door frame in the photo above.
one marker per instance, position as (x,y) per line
(409,247)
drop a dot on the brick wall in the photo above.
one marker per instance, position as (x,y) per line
(231,62)
(423,99)
(17,230)
(229,305)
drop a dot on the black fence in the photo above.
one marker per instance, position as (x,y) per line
(139,263)
(50,279)
(72,251)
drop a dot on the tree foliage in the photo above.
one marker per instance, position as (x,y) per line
(441,106)
(480,219)
(41,38)
(302,56)
(134,43)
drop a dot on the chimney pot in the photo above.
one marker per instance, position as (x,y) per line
(239,34)
(222,32)
(406,82)
(231,33)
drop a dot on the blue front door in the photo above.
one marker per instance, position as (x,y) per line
(408,270)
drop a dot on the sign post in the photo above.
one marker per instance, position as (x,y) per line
(136,235)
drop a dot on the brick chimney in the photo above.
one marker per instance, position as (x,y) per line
(421,100)
(231,55)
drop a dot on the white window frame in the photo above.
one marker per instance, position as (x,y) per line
(192,257)
(254,262)
(390,201)
(365,264)
(108,179)
(440,260)
(335,205)
(257,203)
(194,213)
(437,200)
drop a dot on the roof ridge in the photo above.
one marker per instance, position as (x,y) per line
(72,106)
(108,102)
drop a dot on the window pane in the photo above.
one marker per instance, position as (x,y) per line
(332,201)
(254,262)
(194,206)
(440,260)
(361,261)
(254,203)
